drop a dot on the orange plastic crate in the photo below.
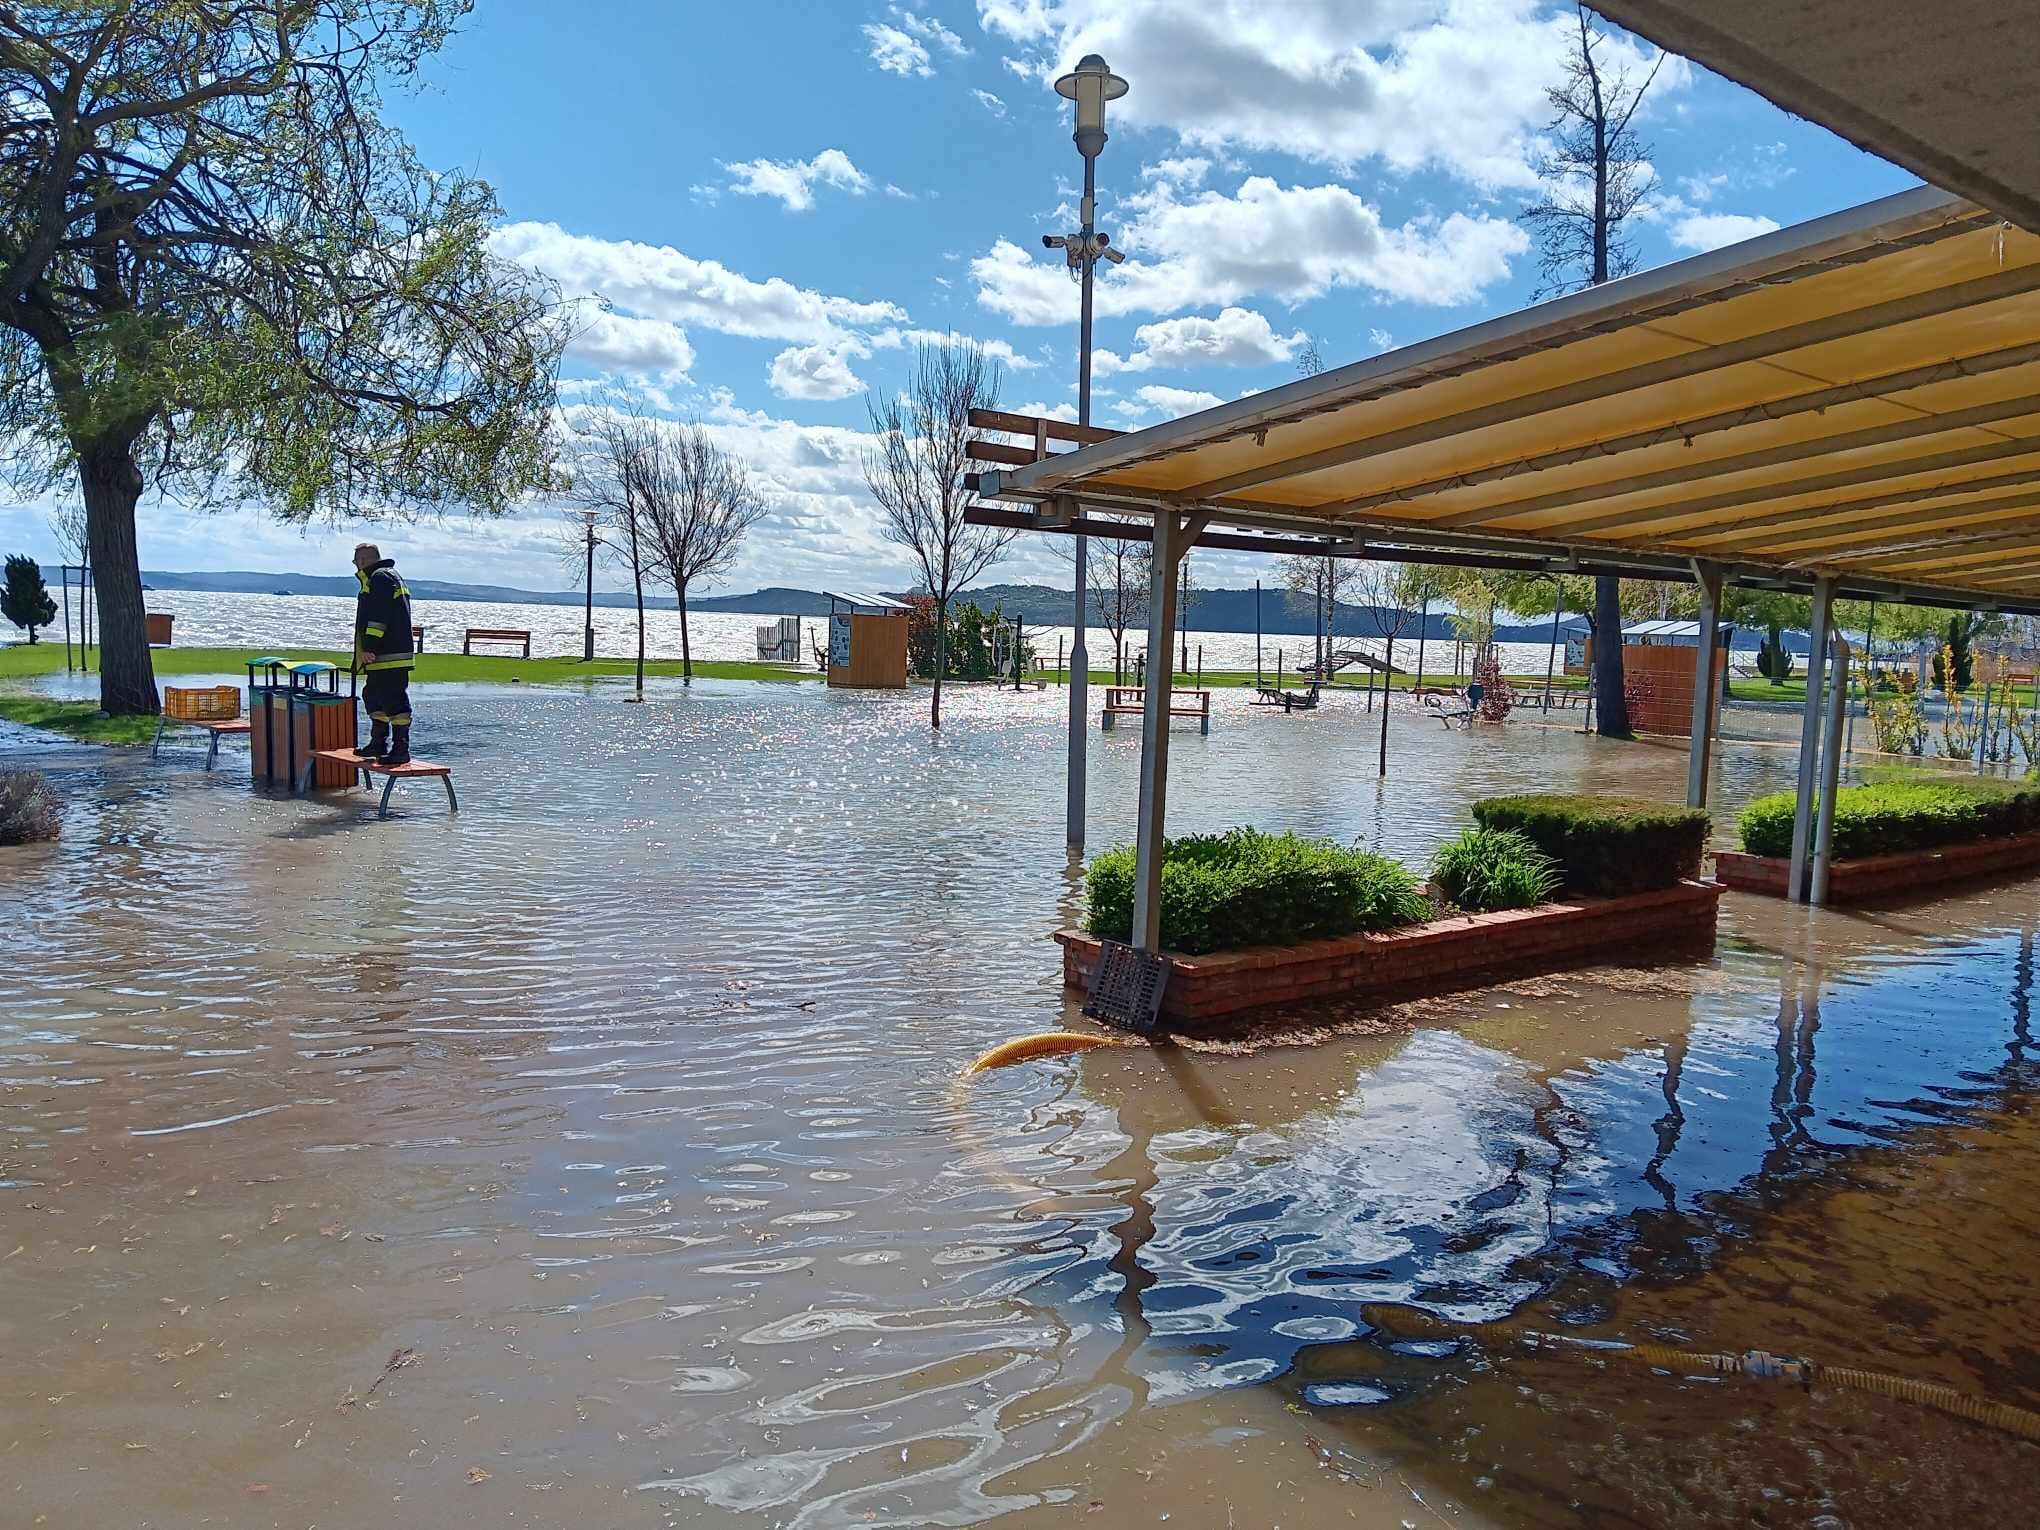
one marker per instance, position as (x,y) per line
(201,703)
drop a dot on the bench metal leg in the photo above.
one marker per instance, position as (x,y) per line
(161,723)
(452,802)
(304,779)
(212,748)
(389,785)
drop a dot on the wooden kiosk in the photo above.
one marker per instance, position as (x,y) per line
(867,642)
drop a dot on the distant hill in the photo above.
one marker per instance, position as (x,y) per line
(1038,605)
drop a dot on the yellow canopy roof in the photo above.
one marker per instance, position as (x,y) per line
(1856,396)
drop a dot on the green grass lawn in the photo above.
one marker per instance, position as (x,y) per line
(21,661)
(81,720)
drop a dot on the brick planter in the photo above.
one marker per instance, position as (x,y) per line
(1880,876)
(1447,953)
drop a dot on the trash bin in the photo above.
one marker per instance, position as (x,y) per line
(320,718)
(159,627)
(268,724)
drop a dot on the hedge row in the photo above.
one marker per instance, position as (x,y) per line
(1605,846)
(1900,810)
(1247,888)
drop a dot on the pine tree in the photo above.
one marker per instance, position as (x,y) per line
(26,599)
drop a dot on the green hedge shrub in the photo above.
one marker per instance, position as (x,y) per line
(1605,846)
(1247,888)
(1488,869)
(1901,810)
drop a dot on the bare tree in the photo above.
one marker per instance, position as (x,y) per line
(1119,574)
(613,466)
(1325,582)
(1595,170)
(916,473)
(698,503)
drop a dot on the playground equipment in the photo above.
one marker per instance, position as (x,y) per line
(867,642)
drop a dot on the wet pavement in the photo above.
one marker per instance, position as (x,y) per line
(597,1157)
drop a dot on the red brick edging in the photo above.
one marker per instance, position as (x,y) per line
(1876,876)
(1445,953)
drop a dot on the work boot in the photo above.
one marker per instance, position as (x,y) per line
(378,741)
(400,746)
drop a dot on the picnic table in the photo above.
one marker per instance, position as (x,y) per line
(1130,701)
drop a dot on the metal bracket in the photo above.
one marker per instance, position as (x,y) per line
(1126,988)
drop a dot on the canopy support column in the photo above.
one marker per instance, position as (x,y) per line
(1830,770)
(1173,537)
(1706,680)
(1809,736)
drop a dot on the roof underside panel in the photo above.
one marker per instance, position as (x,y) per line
(1860,394)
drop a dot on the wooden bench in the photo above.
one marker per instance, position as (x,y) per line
(1289,701)
(1131,701)
(496,635)
(410,770)
(217,727)
(417,640)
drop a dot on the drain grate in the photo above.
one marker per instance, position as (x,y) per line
(1126,989)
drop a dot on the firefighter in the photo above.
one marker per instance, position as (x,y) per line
(383,653)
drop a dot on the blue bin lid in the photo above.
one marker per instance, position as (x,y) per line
(312,667)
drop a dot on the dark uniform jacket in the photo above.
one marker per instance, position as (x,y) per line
(382,617)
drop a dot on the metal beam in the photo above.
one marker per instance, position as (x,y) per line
(1809,737)
(1912,517)
(1703,359)
(1764,494)
(1706,681)
(1830,770)
(1172,538)
(1993,413)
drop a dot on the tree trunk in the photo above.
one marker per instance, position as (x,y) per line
(1612,701)
(1388,660)
(686,651)
(941,661)
(112,485)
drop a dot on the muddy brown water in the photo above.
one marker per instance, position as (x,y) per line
(598,1158)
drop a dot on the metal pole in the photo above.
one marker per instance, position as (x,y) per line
(1183,612)
(1809,736)
(1830,771)
(1080,653)
(1706,661)
(1200,666)
(1017,635)
(1154,742)
(64,575)
(1059,659)
(1257,634)
(588,618)
(1423,624)
(1551,651)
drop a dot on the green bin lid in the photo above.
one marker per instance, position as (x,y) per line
(264,662)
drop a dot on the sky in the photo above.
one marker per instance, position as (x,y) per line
(758,211)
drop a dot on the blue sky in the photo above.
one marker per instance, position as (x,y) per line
(759,208)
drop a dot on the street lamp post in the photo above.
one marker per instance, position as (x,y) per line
(588,627)
(1090,85)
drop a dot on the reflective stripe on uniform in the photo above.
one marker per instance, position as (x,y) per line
(375,629)
(402,662)
(381,717)
(400,719)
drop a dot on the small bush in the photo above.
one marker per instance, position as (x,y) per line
(29,810)
(1488,869)
(1900,810)
(1605,846)
(1247,888)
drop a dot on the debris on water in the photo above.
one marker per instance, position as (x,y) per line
(476,1474)
(401,1359)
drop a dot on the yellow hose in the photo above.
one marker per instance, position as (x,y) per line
(2022,1422)
(1043,1044)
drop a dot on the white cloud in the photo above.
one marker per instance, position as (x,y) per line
(617,342)
(793,181)
(1186,170)
(1238,337)
(902,48)
(895,52)
(818,372)
(1000,351)
(990,102)
(659,282)
(1062,411)
(1170,403)
(1710,231)
(1381,339)
(1294,244)
(1459,87)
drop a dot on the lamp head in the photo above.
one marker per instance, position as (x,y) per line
(1091,84)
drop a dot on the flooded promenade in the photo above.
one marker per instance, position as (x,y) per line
(598,1158)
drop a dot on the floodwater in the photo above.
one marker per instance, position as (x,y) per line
(597,1157)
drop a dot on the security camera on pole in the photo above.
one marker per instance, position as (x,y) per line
(1091,84)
